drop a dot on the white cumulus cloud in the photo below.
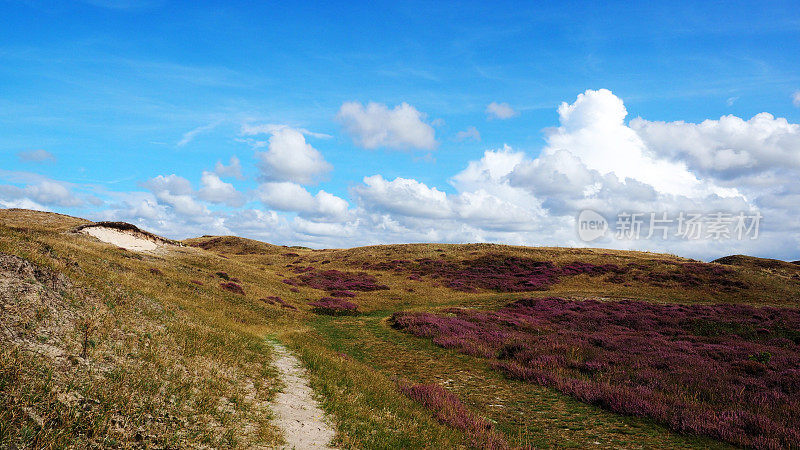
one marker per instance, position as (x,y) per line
(233,169)
(176,192)
(727,147)
(214,190)
(44,192)
(594,157)
(593,129)
(288,196)
(375,125)
(290,158)
(403,196)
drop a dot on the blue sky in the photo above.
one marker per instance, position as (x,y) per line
(113,94)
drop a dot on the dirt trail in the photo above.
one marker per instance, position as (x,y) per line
(296,412)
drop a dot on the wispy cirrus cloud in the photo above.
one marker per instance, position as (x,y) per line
(251,129)
(469,133)
(190,135)
(36,156)
(500,111)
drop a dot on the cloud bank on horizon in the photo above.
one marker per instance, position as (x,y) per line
(349,123)
(594,158)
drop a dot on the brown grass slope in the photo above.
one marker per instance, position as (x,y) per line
(140,350)
(129,349)
(104,347)
(233,245)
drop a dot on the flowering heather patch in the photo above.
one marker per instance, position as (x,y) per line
(335,280)
(334,306)
(449,410)
(728,371)
(493,272)
(343,294)
(223,275)
(155,271)
(275,300)
(197,282)
(232,287)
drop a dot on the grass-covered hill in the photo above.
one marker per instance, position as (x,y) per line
(419,345)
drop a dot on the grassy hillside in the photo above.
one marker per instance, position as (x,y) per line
(102,346)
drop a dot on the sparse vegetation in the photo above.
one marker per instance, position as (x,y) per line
(103,351)
(232,286)
(275,300)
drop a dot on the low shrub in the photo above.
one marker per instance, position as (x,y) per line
(449,410)
(336,281)
(492,272)
(232,287)
(343,294)
(334,306)
(275,300)
(727,371)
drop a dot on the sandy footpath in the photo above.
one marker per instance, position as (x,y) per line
(296,412)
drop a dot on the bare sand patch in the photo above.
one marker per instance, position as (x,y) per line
(128,241)
(125,235)
(297,414)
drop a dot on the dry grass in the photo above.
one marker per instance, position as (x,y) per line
(129,355)
(174,359)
